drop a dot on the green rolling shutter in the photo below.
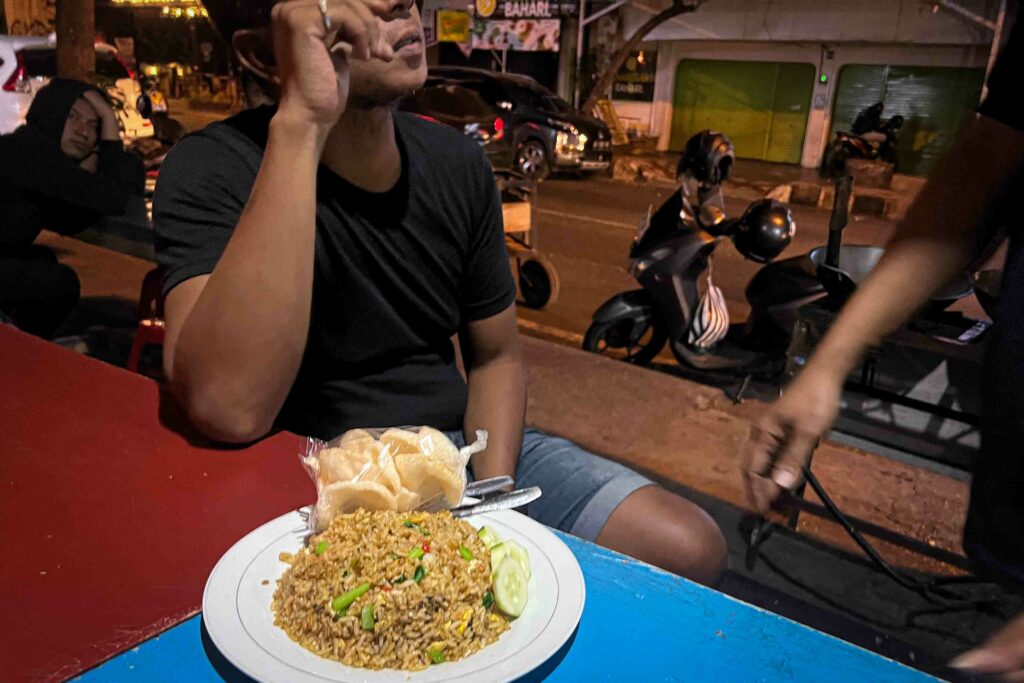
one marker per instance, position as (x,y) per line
(761,106)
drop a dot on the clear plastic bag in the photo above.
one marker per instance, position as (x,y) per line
(399,469)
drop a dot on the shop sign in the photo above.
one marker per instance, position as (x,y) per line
(452,26)
(635,80)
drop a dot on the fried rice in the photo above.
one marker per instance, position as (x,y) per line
(428,592)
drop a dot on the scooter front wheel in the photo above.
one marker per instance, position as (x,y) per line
(623,340)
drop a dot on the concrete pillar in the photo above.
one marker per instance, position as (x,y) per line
(817,134)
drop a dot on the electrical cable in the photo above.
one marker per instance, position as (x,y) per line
(932,590)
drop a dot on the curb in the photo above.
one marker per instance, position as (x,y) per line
(865,201)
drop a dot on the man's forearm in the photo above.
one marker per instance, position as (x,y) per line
(241,345)
(943,231)
(497,403)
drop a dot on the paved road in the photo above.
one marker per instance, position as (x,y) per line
(586,227)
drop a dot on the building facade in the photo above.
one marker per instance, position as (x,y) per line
(779,77)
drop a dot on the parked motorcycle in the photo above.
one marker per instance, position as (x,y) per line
(672,253)
(152,104)
(869,138)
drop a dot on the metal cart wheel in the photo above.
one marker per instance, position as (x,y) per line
(538,282)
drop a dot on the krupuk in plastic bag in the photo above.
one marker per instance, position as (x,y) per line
(414,468)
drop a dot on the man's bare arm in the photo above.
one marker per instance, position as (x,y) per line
(236,338)
(497,391)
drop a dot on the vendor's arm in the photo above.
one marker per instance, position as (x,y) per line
(945,228)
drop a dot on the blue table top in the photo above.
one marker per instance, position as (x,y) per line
(639,624)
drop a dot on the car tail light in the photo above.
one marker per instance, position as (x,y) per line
(127,67)
(499,129)
(18,82)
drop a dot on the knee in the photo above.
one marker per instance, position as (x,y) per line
(699,551)
(667,531)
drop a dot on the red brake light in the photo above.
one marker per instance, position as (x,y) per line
(131,71)
(499,129)
(17,81)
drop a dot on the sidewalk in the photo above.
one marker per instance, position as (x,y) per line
(687,437)
(751,179)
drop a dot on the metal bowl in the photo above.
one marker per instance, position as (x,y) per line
(857,261)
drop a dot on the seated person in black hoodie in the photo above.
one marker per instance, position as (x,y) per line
(62,171)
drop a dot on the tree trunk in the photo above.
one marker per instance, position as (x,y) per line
(76,32)
(604,82)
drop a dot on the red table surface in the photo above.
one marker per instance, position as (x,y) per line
(111,521)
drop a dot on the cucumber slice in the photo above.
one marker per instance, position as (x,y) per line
(489,536)
(510,587)
(520,555)
(498,553)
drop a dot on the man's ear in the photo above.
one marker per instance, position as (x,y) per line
(253,47)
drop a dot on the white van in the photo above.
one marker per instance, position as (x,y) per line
(28,63)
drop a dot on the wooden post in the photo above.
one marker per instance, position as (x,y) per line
(76,32)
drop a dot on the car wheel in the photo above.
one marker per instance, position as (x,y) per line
(532,160)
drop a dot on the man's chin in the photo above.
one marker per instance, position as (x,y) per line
(384,92)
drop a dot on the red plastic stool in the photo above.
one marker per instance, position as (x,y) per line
(150,331)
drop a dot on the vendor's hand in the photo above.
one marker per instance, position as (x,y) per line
(109,129)
(782,440)
(312,64)
(1001,656)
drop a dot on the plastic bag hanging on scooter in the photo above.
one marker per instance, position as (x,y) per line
(710,322)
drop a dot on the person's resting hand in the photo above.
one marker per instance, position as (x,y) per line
(90,163)
(1001,656)
(109,129)
(782,439)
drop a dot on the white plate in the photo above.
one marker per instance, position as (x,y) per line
(236,610)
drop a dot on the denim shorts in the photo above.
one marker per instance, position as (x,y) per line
(580,490)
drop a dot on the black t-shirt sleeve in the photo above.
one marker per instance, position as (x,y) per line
(203,187)
(1001,102)
(488,287)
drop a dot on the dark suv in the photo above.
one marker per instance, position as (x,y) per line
(545,133)
(464,110)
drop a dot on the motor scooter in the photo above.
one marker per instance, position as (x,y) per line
(671,253)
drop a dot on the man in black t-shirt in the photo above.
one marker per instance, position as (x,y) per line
(973,192)
(322,255)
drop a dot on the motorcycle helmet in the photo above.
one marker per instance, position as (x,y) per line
(894,123)
(766,228)
(708,156)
